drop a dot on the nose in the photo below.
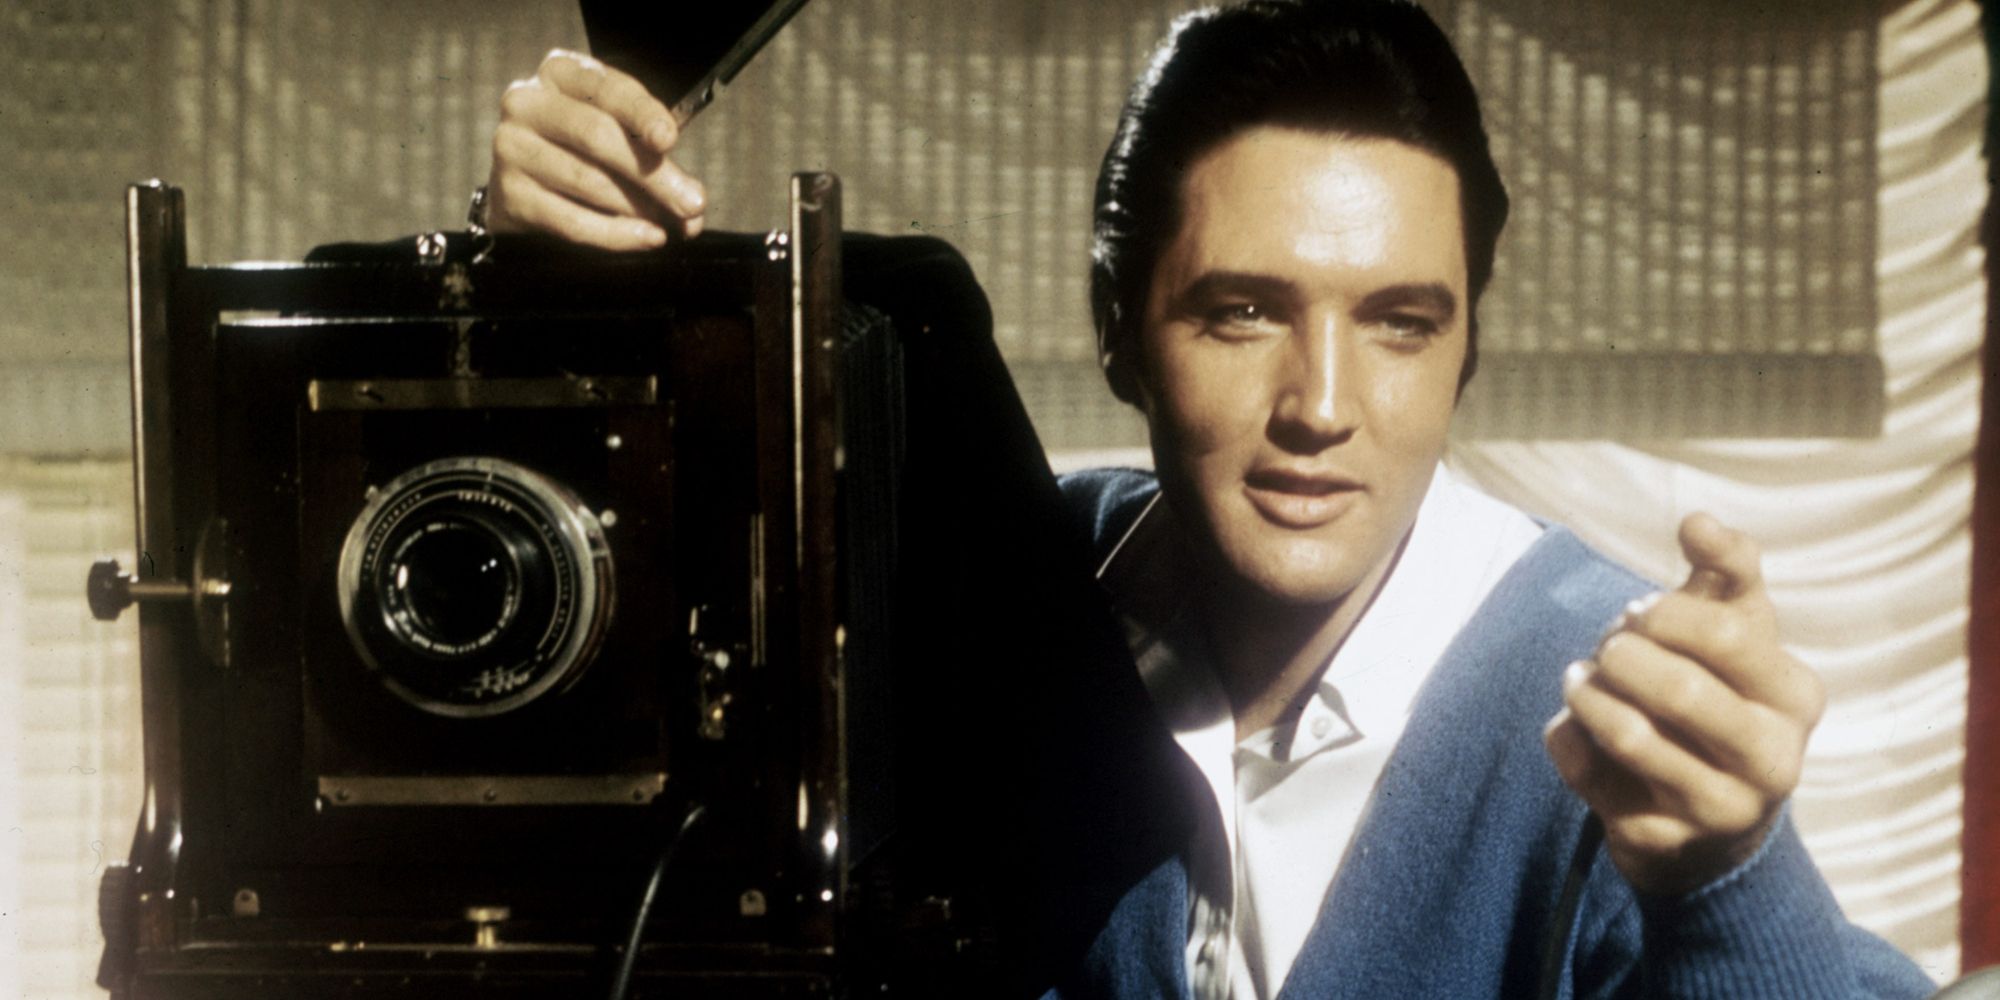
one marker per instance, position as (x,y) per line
(1315,407)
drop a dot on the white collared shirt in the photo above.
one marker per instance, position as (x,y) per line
(1292,795)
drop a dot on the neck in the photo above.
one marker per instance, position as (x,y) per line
(1269,654)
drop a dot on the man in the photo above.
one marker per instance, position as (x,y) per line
(1385,678)
(1294,224)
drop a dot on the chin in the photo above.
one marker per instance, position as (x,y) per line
(1296,574)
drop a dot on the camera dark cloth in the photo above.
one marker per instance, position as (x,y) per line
(1032,680)
(1030,765)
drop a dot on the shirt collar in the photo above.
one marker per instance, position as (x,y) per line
(1458,546)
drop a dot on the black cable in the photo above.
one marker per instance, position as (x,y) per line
(1555,949)
(621,978)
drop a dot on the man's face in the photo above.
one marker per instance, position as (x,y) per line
(1300,353)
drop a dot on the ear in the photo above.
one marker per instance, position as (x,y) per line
(1119,363)
(1124,381)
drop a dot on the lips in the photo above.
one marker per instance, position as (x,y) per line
(1295,499)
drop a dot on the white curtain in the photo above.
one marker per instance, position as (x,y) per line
(70,783)
(1867,542)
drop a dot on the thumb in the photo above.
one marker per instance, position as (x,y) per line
(1725,563)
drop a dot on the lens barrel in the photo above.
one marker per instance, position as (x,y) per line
(473,586)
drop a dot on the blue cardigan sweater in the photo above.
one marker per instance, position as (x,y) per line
(1459,870)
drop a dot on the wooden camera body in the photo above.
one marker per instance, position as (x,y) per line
(467,574)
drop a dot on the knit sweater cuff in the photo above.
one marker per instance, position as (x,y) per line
(1768,928)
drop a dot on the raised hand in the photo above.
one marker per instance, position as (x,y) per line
(581,152)
(1685,731)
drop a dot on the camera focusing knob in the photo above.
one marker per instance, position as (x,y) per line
(431,248)
(486,921)
(109,590)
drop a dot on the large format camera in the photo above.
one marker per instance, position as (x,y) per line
(474,590)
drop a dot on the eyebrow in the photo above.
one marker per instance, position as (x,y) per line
(1223,284)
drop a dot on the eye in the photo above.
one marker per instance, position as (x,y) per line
(1239,320)
(1411,326)
(1236,312)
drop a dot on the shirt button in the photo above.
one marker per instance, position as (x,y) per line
(1207,954)
(1321,726)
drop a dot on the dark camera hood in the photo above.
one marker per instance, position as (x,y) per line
(681,50)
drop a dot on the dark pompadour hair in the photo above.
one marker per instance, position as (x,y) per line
(1362,68)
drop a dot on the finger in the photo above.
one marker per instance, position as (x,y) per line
(1732,734)
(1639,830)
(597,138)
(558,170)
(1603,785)
(1726,563)
(538,208)
(1571,752)
(1738,643)
(642,117)
(1711,799)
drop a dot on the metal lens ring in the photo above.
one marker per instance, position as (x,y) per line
(473,586)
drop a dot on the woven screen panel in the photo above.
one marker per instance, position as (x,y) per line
(1692,251)
(78,122)
(1697,178)
(294,124)
(1689,183)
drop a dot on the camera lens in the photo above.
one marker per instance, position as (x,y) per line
(454,586)
(473,586)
